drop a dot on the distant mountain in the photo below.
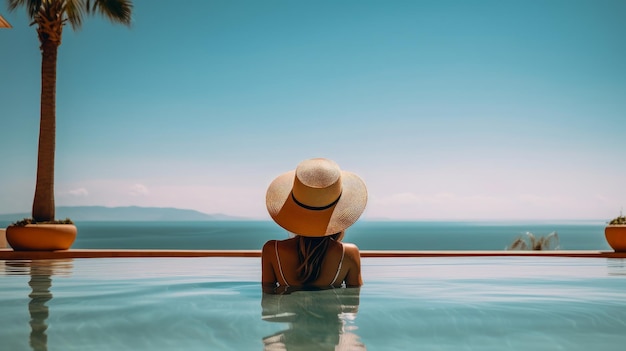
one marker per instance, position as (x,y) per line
(130,213)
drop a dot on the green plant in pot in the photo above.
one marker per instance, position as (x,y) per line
(528,241)
(49,18)
(615,233)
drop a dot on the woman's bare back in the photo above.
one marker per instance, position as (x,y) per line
(340,264)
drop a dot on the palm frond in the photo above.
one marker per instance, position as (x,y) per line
(551,242)
(528,241)
(518,244)
(115,10)
(74,12)
(32,6)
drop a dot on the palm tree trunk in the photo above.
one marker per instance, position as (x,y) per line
(43,204)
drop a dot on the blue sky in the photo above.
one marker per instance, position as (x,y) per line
(447,109)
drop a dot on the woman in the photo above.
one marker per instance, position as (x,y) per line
(316,202)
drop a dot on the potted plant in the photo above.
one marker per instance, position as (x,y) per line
(27,235)
(529,241)
(50,17)
(615,233)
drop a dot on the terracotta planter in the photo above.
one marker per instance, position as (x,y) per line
(616,236)
(41,237)
(3,238)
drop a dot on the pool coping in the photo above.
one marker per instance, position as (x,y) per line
(9,254)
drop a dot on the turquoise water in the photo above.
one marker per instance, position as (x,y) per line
(462,303)
(250,235)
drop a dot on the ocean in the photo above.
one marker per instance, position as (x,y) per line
(367,235)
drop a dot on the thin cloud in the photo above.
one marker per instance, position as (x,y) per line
(139,190)
(80,192)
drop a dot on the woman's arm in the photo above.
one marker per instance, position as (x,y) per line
(353,278)
(268,277)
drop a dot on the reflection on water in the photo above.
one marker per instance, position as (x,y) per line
(616,266)
(316,320)
(40,283)
(41,272)
(197,304)
(59,267)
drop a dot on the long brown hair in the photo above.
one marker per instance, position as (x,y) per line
(311,254)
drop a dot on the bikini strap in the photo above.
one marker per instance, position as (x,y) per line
(343,251)
(280,268)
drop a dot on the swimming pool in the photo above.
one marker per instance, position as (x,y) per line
(215,303)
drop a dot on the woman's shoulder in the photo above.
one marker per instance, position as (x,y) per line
(350,247)
(270,244)
(351,250)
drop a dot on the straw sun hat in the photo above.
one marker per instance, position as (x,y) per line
(316,199)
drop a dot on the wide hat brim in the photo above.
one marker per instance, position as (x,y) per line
(306,222)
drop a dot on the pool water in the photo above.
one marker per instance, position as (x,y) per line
(436,303)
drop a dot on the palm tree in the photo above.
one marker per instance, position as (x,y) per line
(50,16)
